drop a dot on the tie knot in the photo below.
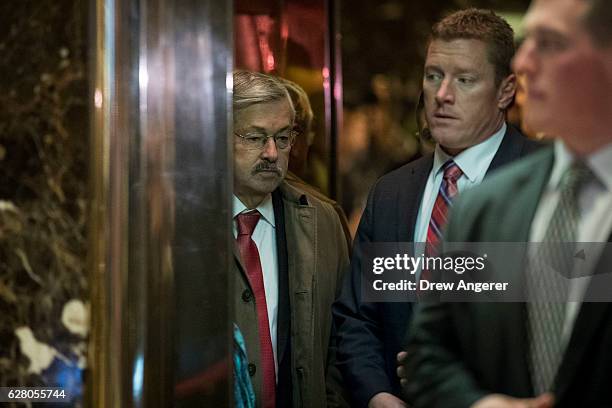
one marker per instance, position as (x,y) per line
(576,176)
(247,222)
(452,172)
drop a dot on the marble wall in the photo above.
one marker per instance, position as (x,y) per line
(44,127)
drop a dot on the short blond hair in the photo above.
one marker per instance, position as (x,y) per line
(483,25)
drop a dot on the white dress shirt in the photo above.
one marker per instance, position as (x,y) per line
(264,236)
(473,162)
(595,215)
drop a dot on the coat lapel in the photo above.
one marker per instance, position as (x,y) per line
(510,149)
(300,231)
(284,306)
(239,263)
(519,210)
(517,224)
(409,199)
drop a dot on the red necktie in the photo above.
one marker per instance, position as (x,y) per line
(444,200)
(250,256)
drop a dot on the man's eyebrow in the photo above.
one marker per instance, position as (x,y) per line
(471,72)
(467,70)
(253,128)
(457,71)
(433,67)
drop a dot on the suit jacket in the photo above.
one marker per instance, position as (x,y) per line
(371,334)
(459,352)
(312,256)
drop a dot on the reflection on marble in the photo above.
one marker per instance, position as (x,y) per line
(43,190)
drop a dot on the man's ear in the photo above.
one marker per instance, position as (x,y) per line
(506,91)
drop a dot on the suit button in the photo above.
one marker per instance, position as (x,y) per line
(247,295)
(252,369)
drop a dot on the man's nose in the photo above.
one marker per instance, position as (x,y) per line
(445,93)
(270,152)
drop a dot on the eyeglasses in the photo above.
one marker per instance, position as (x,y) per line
(257,140)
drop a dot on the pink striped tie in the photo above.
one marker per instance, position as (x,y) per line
(444,200)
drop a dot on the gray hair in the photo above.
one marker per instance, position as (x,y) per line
(251,88)
(303,110)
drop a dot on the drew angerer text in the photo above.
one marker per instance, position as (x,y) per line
(425,285)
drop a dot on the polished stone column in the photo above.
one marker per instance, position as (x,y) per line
(161,180)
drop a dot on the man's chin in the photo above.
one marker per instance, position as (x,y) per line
(448,140)
(268,184)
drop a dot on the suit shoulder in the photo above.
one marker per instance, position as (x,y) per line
(307,189)
(505,180)
(499,208)
(324,203)
(397,178)
(299,195)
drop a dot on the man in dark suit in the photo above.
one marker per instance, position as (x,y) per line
(536,354)
(467,87)
(289,256)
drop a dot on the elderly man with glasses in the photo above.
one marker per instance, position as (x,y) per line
(289,255)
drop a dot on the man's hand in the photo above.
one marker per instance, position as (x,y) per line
(401,371)
(504,401)
(386,400)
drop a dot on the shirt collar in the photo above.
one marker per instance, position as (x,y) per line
(475,160)
(598,162)
(265,208)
